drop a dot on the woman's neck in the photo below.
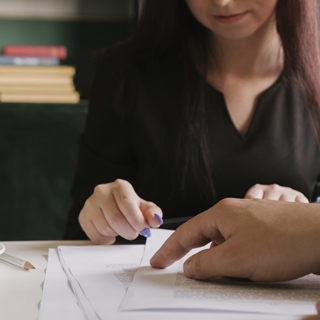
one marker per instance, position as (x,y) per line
(242,70)
(258,56)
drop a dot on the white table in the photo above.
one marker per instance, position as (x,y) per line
(21,290)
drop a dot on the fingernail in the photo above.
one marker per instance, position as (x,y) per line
(146,232)
(159,218)
(187,267)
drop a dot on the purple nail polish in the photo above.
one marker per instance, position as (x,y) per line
(159,218)
(146,232)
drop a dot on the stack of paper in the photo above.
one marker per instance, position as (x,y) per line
(117,282)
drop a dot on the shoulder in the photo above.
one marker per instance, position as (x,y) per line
(291,91)
(123,73)
(114,75)
(125,55)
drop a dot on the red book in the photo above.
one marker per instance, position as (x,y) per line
(59,52)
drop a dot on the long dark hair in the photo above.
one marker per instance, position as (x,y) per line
(168,27)
(298,24)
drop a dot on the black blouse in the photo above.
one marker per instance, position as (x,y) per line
(132,129)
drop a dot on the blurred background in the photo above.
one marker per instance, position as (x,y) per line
(39,141)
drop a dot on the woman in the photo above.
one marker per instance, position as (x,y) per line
(210,99)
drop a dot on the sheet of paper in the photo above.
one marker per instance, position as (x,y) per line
(58,301)
(171,290)
(100,275)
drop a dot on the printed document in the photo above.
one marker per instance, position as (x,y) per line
(117,282)
(171,290)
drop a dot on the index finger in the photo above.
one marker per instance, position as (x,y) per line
(195,233)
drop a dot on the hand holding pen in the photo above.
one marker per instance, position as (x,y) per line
(114,209)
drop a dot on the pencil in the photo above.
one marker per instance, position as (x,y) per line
(26,265)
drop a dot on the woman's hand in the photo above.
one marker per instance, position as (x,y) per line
(261,240)
(275,192)
(115,209)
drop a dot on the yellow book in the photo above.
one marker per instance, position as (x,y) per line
(17,87)
(40,97)
(32,89)
(38,70)
(38,79)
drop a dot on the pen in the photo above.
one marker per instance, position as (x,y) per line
(16,261)
(170,224)
(174,223)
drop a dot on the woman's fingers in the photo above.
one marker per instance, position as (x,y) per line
(126,217)
(275,192)
(152,213)
(115,209)
(255,192)
(95,225)
(301,198)
(138,213)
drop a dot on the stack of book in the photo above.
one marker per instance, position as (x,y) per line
(34,74)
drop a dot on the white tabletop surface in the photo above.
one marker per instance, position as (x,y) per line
(21,290)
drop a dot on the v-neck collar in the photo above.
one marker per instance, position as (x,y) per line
(221,102)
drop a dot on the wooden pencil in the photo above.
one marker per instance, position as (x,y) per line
(16,261)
